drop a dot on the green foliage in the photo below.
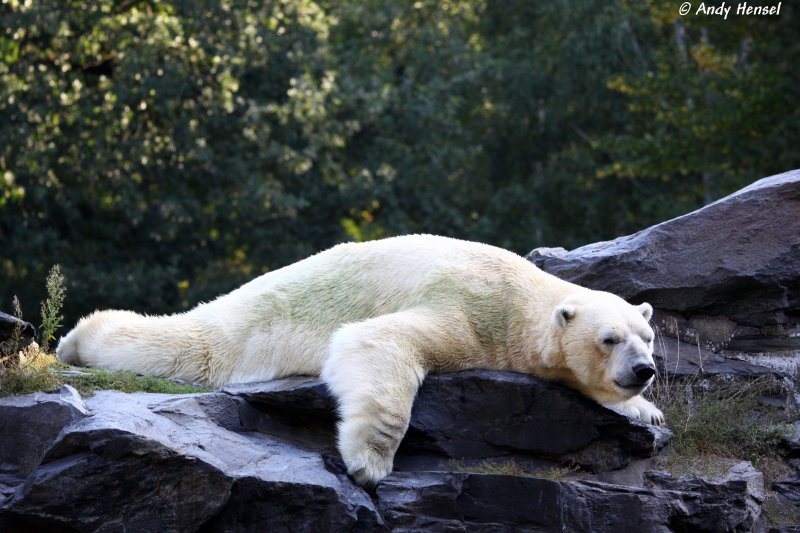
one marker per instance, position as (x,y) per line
(26,380)
(164,151)
(51,306)
(160,142)
(714,109)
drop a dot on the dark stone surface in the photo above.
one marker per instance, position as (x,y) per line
(730,503)
(737,258)
(150,462)
(30,425)
(447,501)
(296,396)
(216,462)
(682,359)
(479,414)
(789,488)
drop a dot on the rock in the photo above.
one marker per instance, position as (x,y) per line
(790,488)
(34,421)
(178,463)
(732,267)
(298,409)
(482,414)
(447,501)
(239,460)
(785,529)
(8,326)
(730,503)
(682,359)
(301,395)
(790,443)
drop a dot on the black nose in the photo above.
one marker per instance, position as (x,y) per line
(644,372)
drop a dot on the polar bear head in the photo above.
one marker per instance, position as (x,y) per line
(606,343)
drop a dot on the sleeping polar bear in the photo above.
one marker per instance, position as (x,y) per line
(372,319)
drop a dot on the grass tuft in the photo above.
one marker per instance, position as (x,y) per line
(32,370)
(27,370)
(729,420)
(508,468)
(89,380)
(780,514)
(715,424)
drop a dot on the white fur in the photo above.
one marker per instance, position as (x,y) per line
(372,319)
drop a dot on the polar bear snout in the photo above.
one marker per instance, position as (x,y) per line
(643,372)
(636,378)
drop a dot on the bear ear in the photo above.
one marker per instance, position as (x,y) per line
(563,314)
(646,309)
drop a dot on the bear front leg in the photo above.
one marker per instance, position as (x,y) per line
(374,370)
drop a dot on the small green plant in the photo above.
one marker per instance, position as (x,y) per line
(51,306)
(728,420)
(28,368)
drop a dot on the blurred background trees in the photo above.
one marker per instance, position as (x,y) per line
(163,152)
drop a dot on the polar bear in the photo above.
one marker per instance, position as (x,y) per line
(372,319)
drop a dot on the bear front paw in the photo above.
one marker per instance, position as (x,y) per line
(367,467)
(640,409)
(367,451)
(626,410)
(653,416)
(650,414)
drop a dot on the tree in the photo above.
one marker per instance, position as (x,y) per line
(161,152)
(165,151)
(715,109)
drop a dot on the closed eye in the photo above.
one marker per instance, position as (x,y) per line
(610,341)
